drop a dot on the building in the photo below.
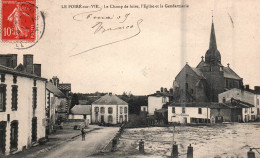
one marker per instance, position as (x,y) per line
(81,112)
(22,105)
(245,95)
(109,109)
(157,100)
(55,102)
(65,88)
(204,82)
(206,112)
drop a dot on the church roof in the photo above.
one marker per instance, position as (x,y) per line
(229,73)
(110,99)
(198,72)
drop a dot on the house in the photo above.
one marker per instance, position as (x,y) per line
(244,95)
(157,100)
(22,105)
(204,82)
(109,109)
(81,112)
(65,88)
(161,116)
(205,112)
(55,101)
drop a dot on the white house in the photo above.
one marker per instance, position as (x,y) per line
(22,106)
(244,95)
(81,112)
(188,113)
(109,109)
(157,100)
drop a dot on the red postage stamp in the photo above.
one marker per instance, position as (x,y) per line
(18,20)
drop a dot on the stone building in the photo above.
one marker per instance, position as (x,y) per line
(204,82)
(22,105)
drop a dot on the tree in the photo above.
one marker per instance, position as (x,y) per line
(74,100)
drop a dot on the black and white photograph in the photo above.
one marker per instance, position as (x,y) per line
(130,79)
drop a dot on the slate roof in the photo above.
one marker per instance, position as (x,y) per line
(4,69)
(110,99)
(198,72)
(81,110)
(229,73)
(52,88)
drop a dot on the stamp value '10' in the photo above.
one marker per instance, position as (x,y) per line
(18,20)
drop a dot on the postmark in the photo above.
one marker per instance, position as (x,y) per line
(22,23)
(18,20)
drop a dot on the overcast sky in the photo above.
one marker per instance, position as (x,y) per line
(168,38)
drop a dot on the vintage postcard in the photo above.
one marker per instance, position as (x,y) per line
(130,78)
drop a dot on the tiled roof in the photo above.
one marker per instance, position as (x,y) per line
(229,73)
(52,88)
(198,72)
(110,99)
(65,86)
(4,69)
(81,109)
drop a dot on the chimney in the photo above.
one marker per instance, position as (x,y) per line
(257,88)
(171,90)
(28,63)
(55,80)
(8,60)
(13,63)
(161,89)
(247,87)
(37,69)
(157,91)
(110,93)
(165,90)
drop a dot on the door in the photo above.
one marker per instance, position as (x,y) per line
(2,136)
(102,119)
(14,135)
(34,129)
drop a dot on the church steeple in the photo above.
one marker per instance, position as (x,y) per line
(212,42)
(213,56)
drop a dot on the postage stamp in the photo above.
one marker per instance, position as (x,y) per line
(18,20)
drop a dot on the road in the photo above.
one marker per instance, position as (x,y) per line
(95,142)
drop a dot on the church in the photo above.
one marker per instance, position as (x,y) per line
(209,78)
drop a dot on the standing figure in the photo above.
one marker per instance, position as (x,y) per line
(83,134)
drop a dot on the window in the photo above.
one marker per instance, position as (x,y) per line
(224,99)
(14,97)
(173,110)
(187,86)
(110,118)
(110,110)
(14,79)
(126,118)
(102,110)
(120,118)
(257,101)
(2,77)
(2,97)
(125,109)
(200,111)
(183,110)
(14,135)
(96,109)
(34,97)
(121,110)
(191,91)
(227,83)
(246,110)
(34,82)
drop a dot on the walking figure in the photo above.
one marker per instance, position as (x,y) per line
(83,134)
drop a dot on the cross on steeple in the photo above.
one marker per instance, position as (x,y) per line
(202,58)
(228,64)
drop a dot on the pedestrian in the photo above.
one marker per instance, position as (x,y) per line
(83,134)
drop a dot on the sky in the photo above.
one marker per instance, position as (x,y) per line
(150,47)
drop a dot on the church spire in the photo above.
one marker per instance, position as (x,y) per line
(212,42)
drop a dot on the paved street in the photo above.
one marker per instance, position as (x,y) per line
(95,142)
